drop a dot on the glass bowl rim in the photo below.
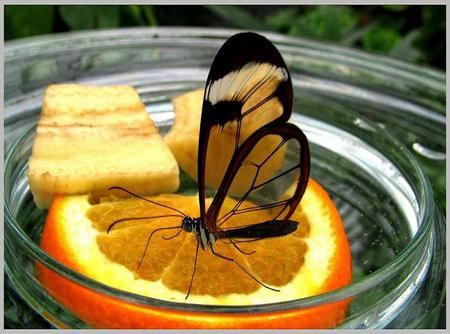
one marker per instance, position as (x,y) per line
(368,282)
(36,42)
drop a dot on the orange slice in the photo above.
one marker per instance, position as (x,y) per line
(313,260)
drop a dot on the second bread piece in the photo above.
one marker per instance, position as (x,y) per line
(91,138)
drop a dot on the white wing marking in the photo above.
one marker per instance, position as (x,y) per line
(239,85)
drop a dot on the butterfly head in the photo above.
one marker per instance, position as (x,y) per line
(188,224)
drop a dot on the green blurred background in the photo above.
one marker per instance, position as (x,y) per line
(414,33)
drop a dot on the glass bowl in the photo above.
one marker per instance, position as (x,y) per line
(348,103)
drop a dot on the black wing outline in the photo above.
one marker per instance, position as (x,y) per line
(285,130)
(238,51)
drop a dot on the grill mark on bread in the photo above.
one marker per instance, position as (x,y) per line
(114,127)
(125,110)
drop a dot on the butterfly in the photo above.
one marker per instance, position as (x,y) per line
(246,107)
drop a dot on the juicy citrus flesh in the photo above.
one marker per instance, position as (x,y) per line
(304,263)
(274,261)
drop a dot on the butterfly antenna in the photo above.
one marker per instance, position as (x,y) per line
(173,236)
(137,218)
(193,272)
(145,199)
(148,242)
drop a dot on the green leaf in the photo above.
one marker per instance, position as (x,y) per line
(355,34)
(405,48)
(380,39)
(90,17)
(237,16)
(434,15)
(325,22)
(396,8)
(150,16)
(26,20)
(131,16)
(282,19)
(432,36)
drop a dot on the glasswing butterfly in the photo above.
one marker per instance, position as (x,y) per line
(247,103)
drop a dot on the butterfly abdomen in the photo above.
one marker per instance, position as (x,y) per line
(268,229)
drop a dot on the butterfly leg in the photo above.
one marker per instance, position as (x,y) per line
(193,272)
(148,242)
(243,269)
(146,199)
(138,218)
(240,250)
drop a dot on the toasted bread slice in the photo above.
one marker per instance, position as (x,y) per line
(91,138)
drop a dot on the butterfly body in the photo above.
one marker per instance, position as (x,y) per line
(204,237)
(268,229)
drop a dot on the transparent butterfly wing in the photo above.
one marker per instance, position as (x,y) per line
(277,180)
(247,88)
